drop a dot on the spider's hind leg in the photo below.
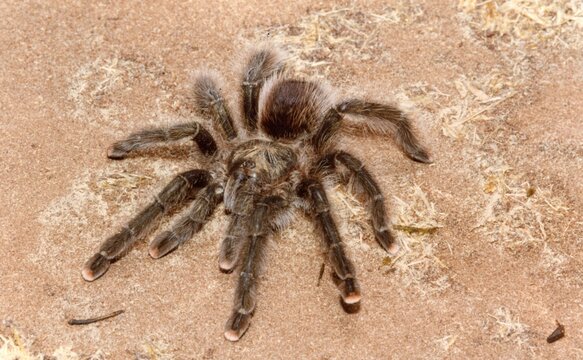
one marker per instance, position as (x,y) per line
(263,63)
(175,194)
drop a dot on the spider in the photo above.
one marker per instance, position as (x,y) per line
(280,159)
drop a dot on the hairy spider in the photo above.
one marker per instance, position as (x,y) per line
(279,161)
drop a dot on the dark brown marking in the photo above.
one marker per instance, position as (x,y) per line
(558,334)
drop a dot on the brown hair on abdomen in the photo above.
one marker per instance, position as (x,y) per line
(291,108)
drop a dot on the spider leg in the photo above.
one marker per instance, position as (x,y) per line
(202,207)
(375,197)
(348,285)
(261,65)
(240,196)
(253,253)
(149,137)
(381,119)
(231,245)
(176,193)
(209,99)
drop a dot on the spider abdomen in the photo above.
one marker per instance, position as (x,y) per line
(291,108)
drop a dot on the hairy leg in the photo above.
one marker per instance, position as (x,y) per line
(253,253)
(175,194)
(240,197)
(373,193)
(380,119)
(202,207)
(313,190)
(210,100)
(149,137)
(231,245)
(261,65)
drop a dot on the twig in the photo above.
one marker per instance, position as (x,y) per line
(321,273)
(93,320)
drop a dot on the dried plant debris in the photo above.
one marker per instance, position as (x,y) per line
(517,214)
(94,319)
(553,261)
(445,343)
(416,219)
(417,263)
(153,350)
(478,101)
(529,21)
(99,87)
(354,224)
(123,180)
(326,37)
(15,347)
(508,328)
(426,96)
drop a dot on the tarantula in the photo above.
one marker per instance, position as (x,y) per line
(278,161)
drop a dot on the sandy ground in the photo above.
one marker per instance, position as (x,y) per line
(491,231)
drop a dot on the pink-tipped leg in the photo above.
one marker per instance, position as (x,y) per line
(387,241)
(163,244)
(115,152)
(95,267)
(393,249)
(350,291)
(226,266)
(237,325)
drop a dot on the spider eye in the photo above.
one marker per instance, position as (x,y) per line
(248,164)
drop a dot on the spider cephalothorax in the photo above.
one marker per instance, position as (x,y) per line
(276,163)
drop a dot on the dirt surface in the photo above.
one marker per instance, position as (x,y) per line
(491,232)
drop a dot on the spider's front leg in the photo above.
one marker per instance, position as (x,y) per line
(240,194)
(147,138)
(252,254)
(313,191)
(176,193)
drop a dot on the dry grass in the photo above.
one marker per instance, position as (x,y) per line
(153,351)
(508,328)
(14,347)
(123,180)
(97,87)
(445,343)
(416,219)
(478,100)
(529,21)
(516,212)
(324,38)
(417,262)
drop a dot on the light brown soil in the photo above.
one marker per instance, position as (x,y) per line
(499,105)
